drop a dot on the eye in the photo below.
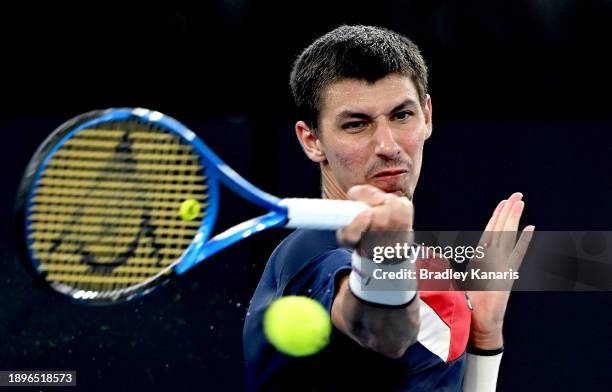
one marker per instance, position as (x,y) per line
(403,115)
(354,125)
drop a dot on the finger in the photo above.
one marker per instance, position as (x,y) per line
(367,193)
(512,222)
(521,247)
(351,234)
(508,236)
(381,218)
(503,215)
(485,239)
(493,219)
(401,213)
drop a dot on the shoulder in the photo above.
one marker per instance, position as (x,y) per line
(306,242)
(303,251)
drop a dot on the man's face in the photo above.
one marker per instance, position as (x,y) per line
(373,134)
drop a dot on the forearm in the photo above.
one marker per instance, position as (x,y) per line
(484,354)
(378,313)
(388,331)
(489,340)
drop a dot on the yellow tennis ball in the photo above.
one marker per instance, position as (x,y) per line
(297,326)
(189,210)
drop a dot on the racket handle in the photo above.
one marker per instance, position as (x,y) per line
(321,214)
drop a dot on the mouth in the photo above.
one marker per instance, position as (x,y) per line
(392,180)
(390,173)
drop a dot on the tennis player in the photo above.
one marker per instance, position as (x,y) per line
(365,114)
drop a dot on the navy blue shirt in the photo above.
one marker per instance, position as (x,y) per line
(310,263)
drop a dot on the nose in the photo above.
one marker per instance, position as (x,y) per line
(385,145)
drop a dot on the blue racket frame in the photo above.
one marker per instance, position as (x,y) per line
(215,170)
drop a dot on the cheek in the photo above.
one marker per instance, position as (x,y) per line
(413,142)
(346,155)
(344,160)
(416,139)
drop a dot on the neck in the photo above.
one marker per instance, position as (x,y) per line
(329,186)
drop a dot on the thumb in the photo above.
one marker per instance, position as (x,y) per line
(351,234)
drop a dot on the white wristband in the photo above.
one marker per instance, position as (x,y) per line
(481,372)
(382,284)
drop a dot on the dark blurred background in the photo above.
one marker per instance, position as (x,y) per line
(520,93)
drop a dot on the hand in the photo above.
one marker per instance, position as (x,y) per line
(501,253)
(389,214)
(387,331)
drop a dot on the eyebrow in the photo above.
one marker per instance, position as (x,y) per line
(407,103)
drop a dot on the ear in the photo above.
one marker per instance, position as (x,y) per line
(310,142)
(428,117)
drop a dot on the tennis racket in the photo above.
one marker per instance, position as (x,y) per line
(117,202)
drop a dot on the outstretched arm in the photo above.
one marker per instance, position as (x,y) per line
(387,324)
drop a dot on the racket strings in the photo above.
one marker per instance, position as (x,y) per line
(104,215)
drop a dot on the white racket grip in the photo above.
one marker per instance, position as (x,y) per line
(321,214)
